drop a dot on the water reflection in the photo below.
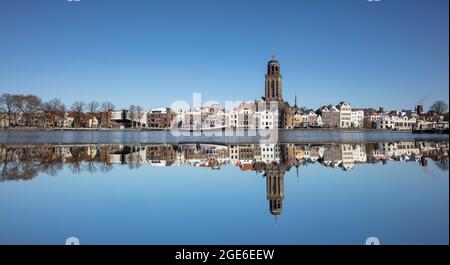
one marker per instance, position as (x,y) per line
(23,162)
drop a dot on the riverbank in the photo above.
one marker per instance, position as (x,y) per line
(226,137)
(40,129)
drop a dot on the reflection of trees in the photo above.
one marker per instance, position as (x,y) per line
(26,161)
(50,162)
(75,167)
(442,163)
(76,159)
(19,165)
(18,170)
(90,166)
(52,168)
(106,167)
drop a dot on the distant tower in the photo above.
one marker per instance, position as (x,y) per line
(273,81)
(419,109)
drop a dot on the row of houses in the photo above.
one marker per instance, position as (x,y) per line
(257,116)
(249,115)
(341,116)
(405,119)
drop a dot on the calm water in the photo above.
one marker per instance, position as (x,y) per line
(225,194)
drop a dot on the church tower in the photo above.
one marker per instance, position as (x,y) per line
(273,82)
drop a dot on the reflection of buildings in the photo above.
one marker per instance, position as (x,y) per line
(275,187)
(23,162)
(398,149)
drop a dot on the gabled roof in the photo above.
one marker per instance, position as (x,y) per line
(338,106)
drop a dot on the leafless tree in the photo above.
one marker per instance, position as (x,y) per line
(55,111)
(7,105)
(78,109)
(139,114)
(107,106)
(132,114)
(93,106)
(439,107)
(29,107)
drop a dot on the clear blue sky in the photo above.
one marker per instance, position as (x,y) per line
(391,53)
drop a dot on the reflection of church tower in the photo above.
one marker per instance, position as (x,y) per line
(275,187)
(273,85)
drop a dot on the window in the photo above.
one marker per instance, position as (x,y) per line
(273,88)
(277,88)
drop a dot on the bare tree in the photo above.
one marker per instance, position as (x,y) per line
(439,107)
(55,111)
(107,106)
(7,105)
(30,108)
(62,114)
(139,114)
(78,109)
(132,114)
(93,106)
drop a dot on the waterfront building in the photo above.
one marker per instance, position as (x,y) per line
(266,119)
(160,118)
(4,120)
(330,116)
(357,118)
(345,115)
(245,116)
(395,122)
(310,119)
(90,120)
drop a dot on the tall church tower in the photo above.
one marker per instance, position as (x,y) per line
(273,82)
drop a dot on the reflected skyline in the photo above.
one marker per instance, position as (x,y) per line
(271,161)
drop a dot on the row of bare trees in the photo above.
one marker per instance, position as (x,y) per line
(29,107)
(30,110)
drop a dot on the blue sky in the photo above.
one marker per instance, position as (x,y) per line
(392,53)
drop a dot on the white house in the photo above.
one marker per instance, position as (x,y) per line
(267,119)
(357,118)
(310,118)
(394,122)
(345,118)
